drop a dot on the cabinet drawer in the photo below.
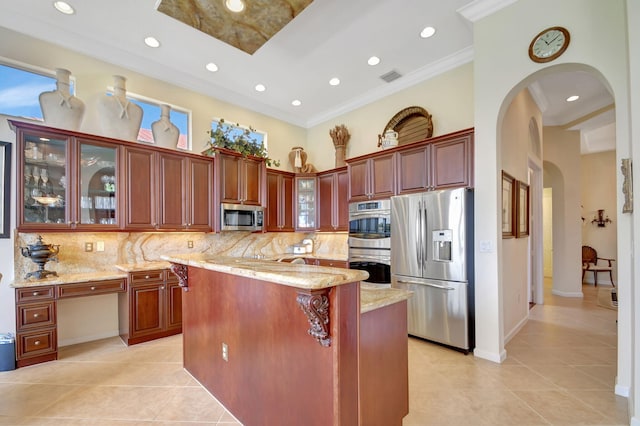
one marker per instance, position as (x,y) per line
(36,315)
(333,263)
(146,276)
(37,343)
(32,294)
(91,288)
(170,277)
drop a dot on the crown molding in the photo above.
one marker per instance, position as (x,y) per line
(478,9)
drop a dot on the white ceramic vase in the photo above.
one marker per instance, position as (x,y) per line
(59,107)
(119,118)
(165,133)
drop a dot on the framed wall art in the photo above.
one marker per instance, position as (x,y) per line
(522,210)
(508,205)
(5,188)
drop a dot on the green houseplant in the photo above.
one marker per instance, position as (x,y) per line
(226,136)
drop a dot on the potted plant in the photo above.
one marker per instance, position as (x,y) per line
(227,137)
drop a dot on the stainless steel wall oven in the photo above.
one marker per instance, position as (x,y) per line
(369,239)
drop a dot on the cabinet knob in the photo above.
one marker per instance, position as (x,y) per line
(146,277)
(36,315)
(162,287)
(37,342)
(93,288)
(35,293)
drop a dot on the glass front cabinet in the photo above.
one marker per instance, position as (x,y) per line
(306,203)
(67,182)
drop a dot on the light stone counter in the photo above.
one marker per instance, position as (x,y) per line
(373,297)
(143,266)
(294,275)
(80,277)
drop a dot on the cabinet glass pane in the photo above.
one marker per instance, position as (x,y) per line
(97,185)
(45,180)
(307,203)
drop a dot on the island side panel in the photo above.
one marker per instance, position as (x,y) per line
(384,369)
(276,373)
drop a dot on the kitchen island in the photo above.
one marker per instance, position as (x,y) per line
(290,344)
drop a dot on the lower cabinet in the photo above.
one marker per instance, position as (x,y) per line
(152,308)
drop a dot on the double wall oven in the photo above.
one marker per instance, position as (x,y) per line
(370,239)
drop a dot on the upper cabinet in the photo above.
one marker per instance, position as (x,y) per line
(372,177)
(279,208)
(333,200)
(306,202)
(65,182)
(241,179)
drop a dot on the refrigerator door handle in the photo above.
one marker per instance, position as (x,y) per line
(426,284)
(419,239)
(425,256)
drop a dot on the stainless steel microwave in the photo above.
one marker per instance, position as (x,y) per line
(240,217)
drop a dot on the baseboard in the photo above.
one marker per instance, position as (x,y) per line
(490,356)
(622,391)
(567,293)
(515,330)
(635,421)
(84,339)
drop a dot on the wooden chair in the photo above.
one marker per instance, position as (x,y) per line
(590,263)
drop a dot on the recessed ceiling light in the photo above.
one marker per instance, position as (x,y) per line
(211,67)
(234,5)
(573,98)
(427,32)
(64,7)
(374,60)
(260,87)
(296,102)
(151,41)
(334,81)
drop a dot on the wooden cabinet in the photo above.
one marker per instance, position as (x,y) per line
(240,179)
(279,208)
(306,202)
(36,316)
(333,200)
(152,308)
(333,263)
(167,191)
(372,177)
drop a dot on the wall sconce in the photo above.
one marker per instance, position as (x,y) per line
(600,220)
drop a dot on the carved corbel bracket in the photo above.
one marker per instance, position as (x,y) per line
(315,305)
(180,271)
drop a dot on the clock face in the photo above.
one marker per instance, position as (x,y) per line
(549,44)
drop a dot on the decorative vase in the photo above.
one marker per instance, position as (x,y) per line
(119,118)
(59,107)
(340,136)
(165,133)
(298,158)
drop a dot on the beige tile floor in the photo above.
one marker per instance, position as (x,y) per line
(560,370)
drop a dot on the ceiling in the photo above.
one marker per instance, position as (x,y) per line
(329,38)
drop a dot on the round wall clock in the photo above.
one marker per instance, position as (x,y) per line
(549,44)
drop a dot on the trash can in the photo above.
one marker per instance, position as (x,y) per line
(7,352)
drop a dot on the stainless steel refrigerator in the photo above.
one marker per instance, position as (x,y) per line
(432,256)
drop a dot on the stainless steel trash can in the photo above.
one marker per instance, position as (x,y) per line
(7,352)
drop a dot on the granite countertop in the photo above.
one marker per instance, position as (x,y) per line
(70,278)
(287,256)
(373,296)
(294,275)
(143,266)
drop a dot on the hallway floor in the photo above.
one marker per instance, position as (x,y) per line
(560,370)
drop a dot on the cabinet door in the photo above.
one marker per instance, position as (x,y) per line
(140,206)
(451,163)
(286,205)
(147,305)
(342,200)
(358,180)
(252,182)
(306,203)
(229,178)
(173,304)
(200,195)
(172,191)
(326,202)
(413,170)
(382,176)
(272,210)
(44,169)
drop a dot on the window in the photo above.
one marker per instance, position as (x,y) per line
(235,130)
(181,117)
(20,89)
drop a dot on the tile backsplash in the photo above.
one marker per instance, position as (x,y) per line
(139,247)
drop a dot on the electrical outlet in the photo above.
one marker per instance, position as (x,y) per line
(88,246)
(189,244)
(99,245)
(225,352)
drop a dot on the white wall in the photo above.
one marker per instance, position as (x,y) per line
(599,192)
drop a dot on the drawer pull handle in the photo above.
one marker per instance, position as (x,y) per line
(36,315)
(35,293)
(93,288)
(146,277)
(37,342)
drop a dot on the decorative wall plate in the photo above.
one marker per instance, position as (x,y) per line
(412,124)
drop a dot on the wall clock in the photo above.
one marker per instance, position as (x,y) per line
(549,44)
